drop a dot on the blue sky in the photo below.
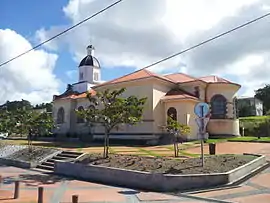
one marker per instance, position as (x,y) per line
(32,15)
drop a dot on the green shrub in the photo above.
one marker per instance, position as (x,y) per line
(256,125)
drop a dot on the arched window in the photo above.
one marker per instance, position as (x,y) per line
(218,106)
(91,106)
(80,119)
(61,115)
(172,113)
(96,76)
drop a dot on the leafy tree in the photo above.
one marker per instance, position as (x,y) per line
(7,122)
(25,122)
(109,109)
(177,130)
(263,94)
(14,105)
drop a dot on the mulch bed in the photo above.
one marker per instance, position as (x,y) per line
(36,155)
(212,164)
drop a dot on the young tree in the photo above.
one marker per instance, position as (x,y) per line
(37,124)
(110,110)
(177,130)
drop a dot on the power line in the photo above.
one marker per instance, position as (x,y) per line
(208,40)
(70,28)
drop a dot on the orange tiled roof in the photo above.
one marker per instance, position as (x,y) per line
(143,73)
(213,79)
(178,94)
(180,77)
(76,95)
(140,74)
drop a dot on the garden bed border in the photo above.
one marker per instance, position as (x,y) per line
(156,181)
(251,141)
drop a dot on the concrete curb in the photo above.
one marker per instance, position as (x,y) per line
(235,184)
(155,182)
(204,198)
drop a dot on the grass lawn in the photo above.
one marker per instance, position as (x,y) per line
(254,118)
(154,151)
(250,139)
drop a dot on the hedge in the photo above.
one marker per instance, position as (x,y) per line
(256,125)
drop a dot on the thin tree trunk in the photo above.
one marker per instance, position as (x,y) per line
(177,149)
(174,146)
(107,149)
(105,143)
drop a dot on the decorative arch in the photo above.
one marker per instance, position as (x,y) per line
(80,119)
(172,113)
(218,107)
(60,115)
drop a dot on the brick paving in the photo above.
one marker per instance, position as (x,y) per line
(60,190)
(257,189)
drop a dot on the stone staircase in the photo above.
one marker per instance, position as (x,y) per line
(48,165)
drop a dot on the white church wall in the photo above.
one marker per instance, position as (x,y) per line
(159,90)
(66,104)
(140,89)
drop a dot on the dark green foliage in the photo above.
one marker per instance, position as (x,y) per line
(256,126)
(47,106)
(263,94)
(14,105)
(177,130)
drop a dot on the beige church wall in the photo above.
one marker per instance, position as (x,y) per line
(160,90)
(223,127)
(185,115)
(189,87)
(140,89)
(66,104)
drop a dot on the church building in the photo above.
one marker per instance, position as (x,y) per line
(173,94)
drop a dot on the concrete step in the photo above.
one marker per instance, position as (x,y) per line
(71,152)
(44,167)
(43,170)
(57,157)
(67,156)
(47,163)
(50,160)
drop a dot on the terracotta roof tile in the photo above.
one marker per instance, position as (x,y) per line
(140,74)
(214,79)
(76,96)
(180,77)
(178,94)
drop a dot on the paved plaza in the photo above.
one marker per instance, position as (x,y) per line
(58,189)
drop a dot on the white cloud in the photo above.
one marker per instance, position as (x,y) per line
(29,77)
(133,34)
(71,74)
